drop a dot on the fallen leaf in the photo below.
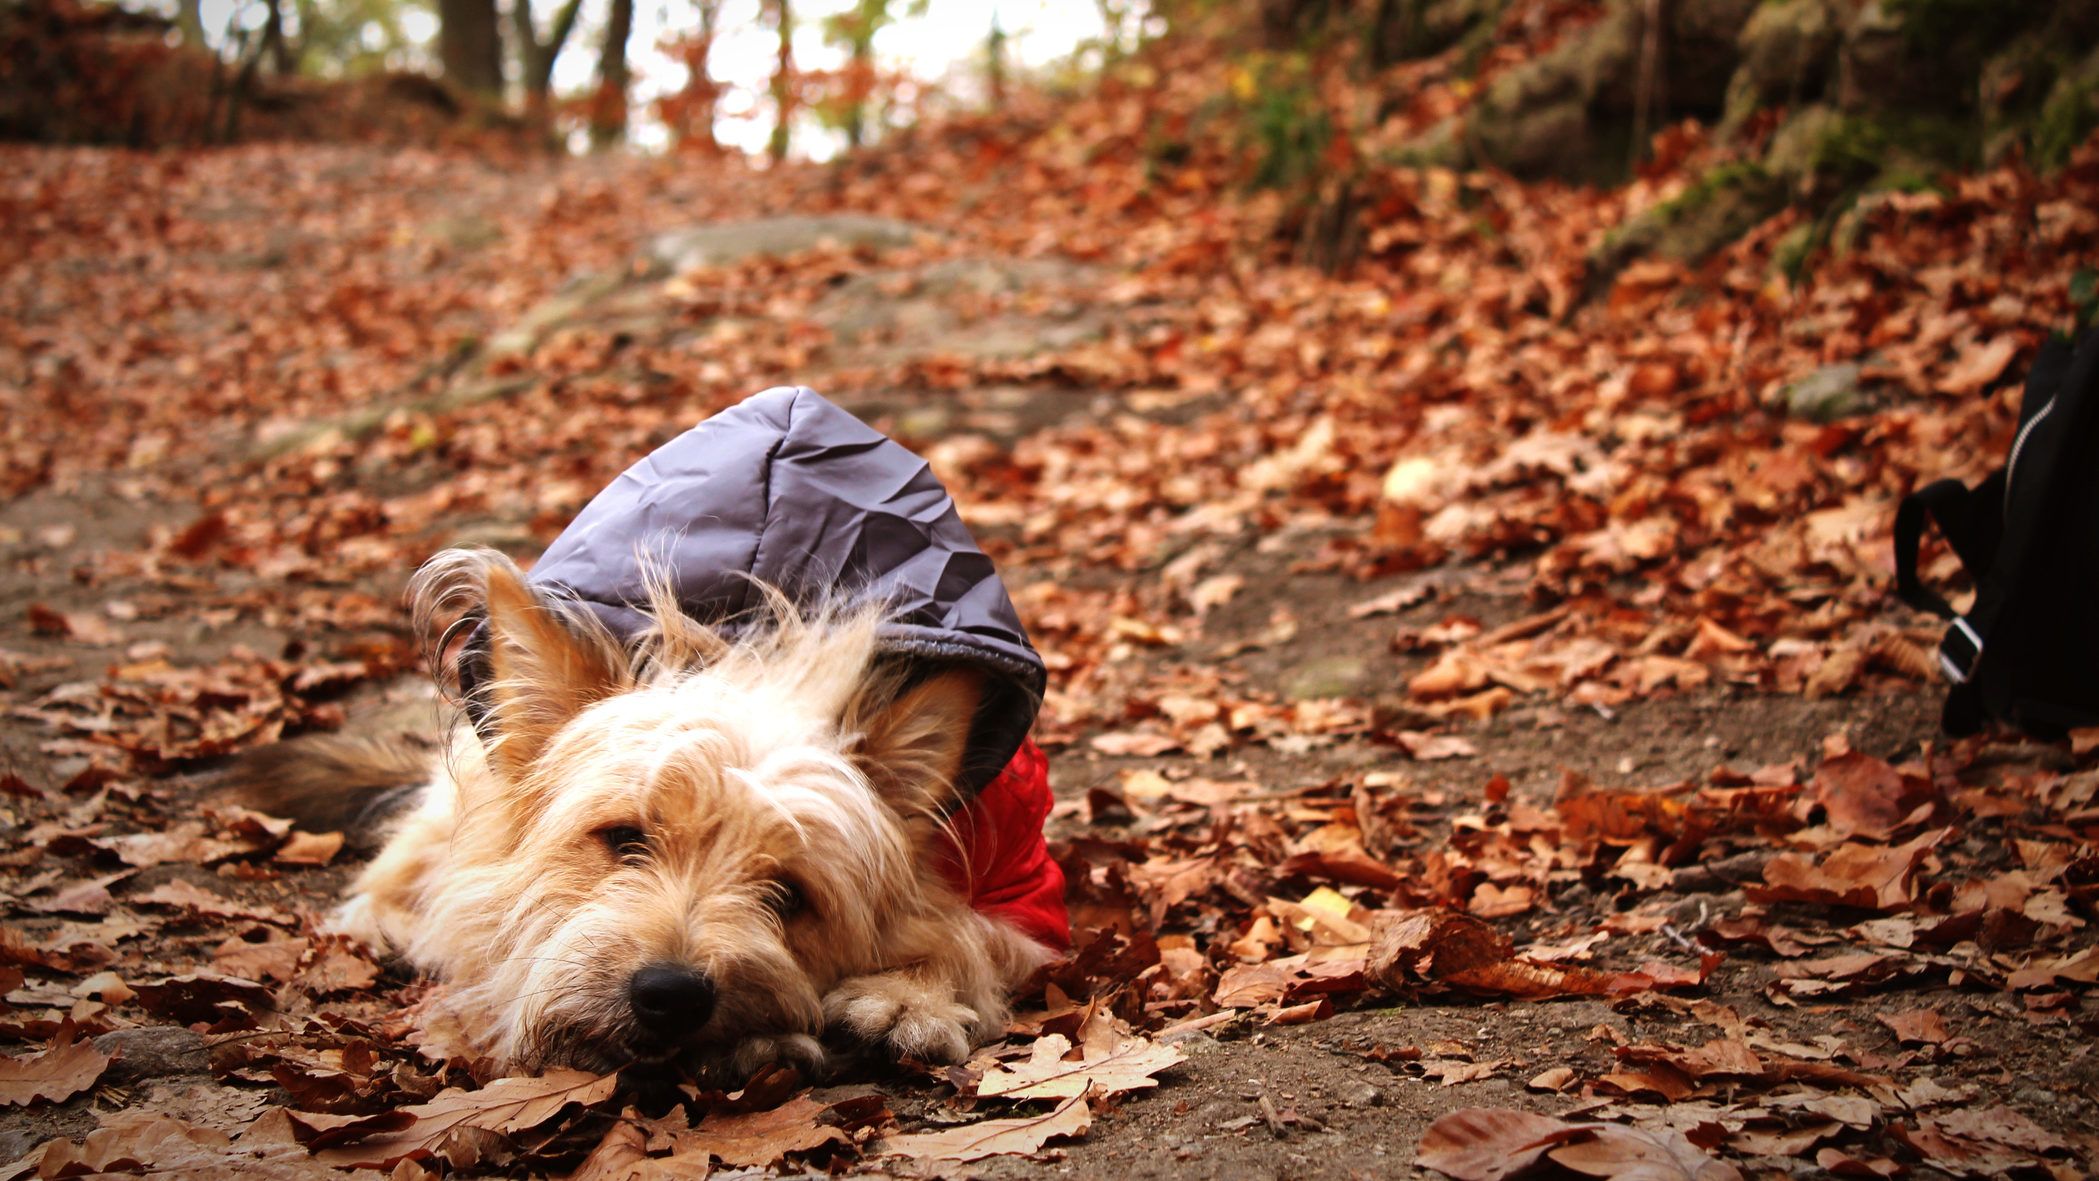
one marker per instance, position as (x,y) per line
(1127,1065)
(52,1075)
(1917,1027)
(1633,1154)
(997,1137)
(505,1105)
(759,1138)
(306,848)
(1489,1143)
(1870,877)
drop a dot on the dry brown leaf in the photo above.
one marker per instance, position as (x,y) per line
(1429,949)
(1863,796)
(1633,1154)
(1917,1027)
(759,1138)
(1489,1143)
(997,1137)
(262,954)
(308,848)
(1126,1064)
(138,1142)
(505,1105)
(53,1075)
(624,1146)
(1870,877)
(1978,365)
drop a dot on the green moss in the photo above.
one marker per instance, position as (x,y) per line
(1284,124)
(1790,256)
(1717,208)
(2064,122)
(1721,179)
(1933,25)
(1872,149)
(2084,296)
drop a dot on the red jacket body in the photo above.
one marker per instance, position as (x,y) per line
(1001,860)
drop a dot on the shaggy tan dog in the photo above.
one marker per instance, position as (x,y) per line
(688,846)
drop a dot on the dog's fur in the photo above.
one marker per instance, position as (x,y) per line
(790,788)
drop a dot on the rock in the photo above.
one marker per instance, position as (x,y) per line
(1357,1093)
(1701,49)
(1196,1043)
(1014,308)
(153,1051)
(464,231)
(1786,50)
(1327,676)
(1829,393)
(2069,114)
(572,300)
(1716,209)
(1804,145)
(1571,111)
(715,245)
(1423,28)
(1904,56)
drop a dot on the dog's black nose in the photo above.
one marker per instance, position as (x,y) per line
(670,999)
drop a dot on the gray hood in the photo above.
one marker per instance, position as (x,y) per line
(788,489)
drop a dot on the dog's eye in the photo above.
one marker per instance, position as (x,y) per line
(787,899)
(625,841)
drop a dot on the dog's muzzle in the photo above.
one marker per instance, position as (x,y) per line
(670,1001)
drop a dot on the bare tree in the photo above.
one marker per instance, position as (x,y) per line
(783,79)
(536,56)
(608,110)
(690,113)
(470,45)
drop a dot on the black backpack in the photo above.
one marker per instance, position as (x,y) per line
(2027,651)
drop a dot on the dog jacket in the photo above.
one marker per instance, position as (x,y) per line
(1001,860)
(787,489)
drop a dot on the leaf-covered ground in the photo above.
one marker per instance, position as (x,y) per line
(1477,704)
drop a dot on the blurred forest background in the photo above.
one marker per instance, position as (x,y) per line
(1811,104)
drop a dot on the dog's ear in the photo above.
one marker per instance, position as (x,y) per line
(544,666)
(911,747)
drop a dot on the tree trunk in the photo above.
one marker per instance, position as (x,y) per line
(282,61)
(470,46)
(860,76)
(608,112)
(536,57)
(783,80)
(189,17)
(995,64)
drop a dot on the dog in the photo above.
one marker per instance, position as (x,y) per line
(743,778)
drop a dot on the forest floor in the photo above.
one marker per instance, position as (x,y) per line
(1424,593)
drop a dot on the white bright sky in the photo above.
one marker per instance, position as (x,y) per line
(943,47)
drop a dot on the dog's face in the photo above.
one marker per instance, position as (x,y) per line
(671,860)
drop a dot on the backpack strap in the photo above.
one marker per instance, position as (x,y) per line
(2008,518)
(1970,519)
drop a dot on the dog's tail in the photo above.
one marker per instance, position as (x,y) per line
(331,782)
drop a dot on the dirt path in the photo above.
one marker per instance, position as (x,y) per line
(1222,691)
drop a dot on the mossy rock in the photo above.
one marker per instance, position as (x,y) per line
(2014,83)
(1716,209)
(2068,116)
(1787,50)
(1412,29)
(1924,55)
(1538,119)
(1825,152)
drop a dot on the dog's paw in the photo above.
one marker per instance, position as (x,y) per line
(798,1050)
(904,1016)
(358,918)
